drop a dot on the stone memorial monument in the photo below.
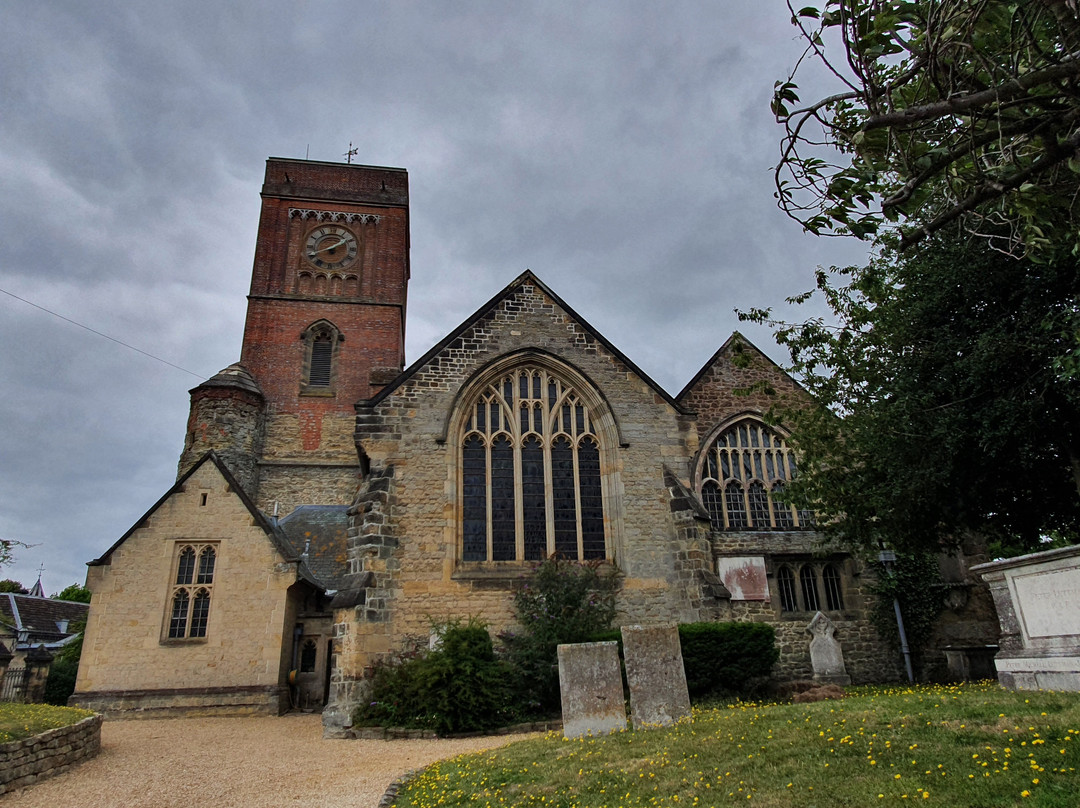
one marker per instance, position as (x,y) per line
(655,674)
(1037,598)
(590,685)
(826,655)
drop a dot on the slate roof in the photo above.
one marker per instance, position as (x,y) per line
(322,532)
(43,617)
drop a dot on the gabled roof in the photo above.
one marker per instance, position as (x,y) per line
(261,520)
(525,277)
(723,351)
(47,620)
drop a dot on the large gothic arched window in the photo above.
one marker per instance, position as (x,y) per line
(742,475)
(531,477)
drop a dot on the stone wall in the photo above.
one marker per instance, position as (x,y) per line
(411,544)
(126,647)
(25,762)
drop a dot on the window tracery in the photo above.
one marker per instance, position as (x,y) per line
(742,477)
(800,587)
(191,591)
(531,477)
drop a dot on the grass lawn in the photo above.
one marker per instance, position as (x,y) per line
(18,721)
(974,745)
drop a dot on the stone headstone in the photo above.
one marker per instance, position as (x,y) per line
(655,674)
(590,686)
(826,655)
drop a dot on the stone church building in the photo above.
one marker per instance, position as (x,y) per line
(331,502)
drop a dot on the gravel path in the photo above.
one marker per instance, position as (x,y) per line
(241,762)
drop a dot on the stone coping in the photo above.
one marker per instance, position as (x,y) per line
(1025,560)
(26,761)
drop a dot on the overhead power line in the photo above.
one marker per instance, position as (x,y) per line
(106,336)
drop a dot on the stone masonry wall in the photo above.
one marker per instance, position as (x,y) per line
(25,762)
(125,648)
(409,428)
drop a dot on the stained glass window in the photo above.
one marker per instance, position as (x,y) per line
(531,472)
(748,463)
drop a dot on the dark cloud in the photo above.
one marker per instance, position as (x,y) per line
(621,150)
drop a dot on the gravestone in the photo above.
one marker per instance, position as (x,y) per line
(655,674)
(590,686)
(826,655)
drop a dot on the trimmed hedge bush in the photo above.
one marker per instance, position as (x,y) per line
(727,657)
(721,658)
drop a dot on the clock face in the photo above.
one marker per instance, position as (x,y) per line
(330,247)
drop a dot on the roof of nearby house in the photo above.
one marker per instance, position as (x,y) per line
(49,621)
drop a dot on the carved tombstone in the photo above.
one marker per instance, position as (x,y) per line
(826,655)
(590,686)
(655,674)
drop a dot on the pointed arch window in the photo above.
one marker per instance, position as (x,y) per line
(742,478)
(192,588)
(531,472)
(321,344)
(801,584)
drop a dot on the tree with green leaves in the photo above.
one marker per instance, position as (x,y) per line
(73,592)
(13,586)
(945,112)
(945,408)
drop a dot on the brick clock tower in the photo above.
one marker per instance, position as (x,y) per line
(325,328)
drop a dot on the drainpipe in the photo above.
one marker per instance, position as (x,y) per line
(887,559)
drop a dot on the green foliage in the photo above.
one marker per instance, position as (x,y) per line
(955,416)
(947,112)
(727,658)
(18,721)
(914,582)
(13,586)
(971,745)
(459,687)
(65,668)
(561,602)
(61,681)
(74,592)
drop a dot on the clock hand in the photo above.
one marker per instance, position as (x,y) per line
(324,249)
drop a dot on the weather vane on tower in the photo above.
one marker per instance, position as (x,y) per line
(351,153)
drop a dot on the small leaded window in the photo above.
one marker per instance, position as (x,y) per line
(189,605)
(800,587)
(785,582)
(834,597)
(531,477)
(808,581)
(307,656)
(749,463)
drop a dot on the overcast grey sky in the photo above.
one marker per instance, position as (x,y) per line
(620,150)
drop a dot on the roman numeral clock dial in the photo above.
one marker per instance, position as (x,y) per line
(330,247)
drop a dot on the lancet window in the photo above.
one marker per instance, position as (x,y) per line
(192,589)
(742,478)
(531,476)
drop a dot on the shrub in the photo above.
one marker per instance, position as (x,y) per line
(459,687)
(726,657)
(561,602)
